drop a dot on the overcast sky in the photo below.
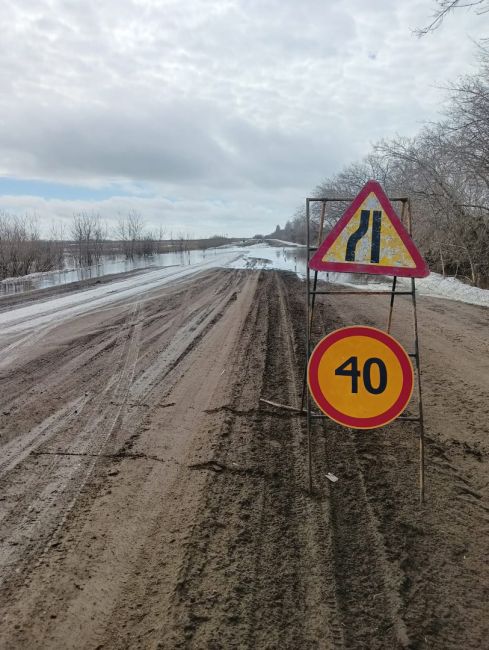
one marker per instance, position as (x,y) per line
(209,116)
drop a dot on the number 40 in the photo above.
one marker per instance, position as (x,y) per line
(350,369)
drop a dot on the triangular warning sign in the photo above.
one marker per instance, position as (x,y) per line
(370,238)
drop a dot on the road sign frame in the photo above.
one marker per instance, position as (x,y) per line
(305,404)
(394,411)
(304,407)
(420,270)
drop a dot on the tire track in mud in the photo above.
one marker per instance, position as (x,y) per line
(37,388)
(184,331)
(367,583)
(38,524)
(96,413)
(217,534)
(114,400)
(435,546)
(432,553)
(178,482)
(16,451)
(256,572)
(36,384)
(194,529)
(315,551)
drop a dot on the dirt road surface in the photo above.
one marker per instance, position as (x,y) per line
(148,499)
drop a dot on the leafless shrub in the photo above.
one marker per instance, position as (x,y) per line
(88,233)
(130,232)
(22,251)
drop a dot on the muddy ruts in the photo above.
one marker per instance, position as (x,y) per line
(148,499)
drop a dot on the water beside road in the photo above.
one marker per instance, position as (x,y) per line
(283,258)
(107,265)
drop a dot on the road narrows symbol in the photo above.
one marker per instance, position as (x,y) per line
(361,232)
(370,238)
(375,247)
(355,237)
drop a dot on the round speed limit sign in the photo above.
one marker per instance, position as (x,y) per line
(360,377)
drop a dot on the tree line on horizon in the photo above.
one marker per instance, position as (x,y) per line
(84,242)
(444,170)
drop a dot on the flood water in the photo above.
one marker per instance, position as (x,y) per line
(107,266)
(295,259)
(258,256)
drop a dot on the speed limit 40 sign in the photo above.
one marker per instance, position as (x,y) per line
(360,377)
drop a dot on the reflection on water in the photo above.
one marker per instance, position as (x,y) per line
(296,259)
(261,256)
(106,266)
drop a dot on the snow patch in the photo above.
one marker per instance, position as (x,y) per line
(53,311)
(439,287)
(263,256)
(434,285)
(293,244)
(57,309)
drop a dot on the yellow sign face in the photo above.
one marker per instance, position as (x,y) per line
(370,238)
(360,377)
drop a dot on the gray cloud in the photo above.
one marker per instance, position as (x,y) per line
(234,108)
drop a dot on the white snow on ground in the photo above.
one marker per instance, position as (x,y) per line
(52,311)
(434,285)
(55,310)
(264,256)
(287,243)
(439,287)
(271,257)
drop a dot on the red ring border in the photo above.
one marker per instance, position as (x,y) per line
(350,421)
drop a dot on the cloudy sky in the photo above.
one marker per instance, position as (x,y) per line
(209,116)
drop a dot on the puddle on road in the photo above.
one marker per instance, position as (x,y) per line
(294,259)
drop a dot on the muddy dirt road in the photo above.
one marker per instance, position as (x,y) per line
(149,500)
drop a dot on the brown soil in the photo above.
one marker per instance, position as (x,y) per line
(148,499)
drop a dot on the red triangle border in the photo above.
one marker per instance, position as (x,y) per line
(421,269)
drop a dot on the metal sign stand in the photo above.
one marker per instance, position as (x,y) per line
(305,403)
(311,299)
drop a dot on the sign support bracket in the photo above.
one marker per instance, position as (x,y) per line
(406,215)
(304,408)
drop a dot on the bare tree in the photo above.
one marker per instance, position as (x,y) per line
(161,236)
(445,171)
(135,242)
(22,251)
(444,7)
(135,229)
(123,236)
(87,232)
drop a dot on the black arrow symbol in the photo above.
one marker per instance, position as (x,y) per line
(361,231)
